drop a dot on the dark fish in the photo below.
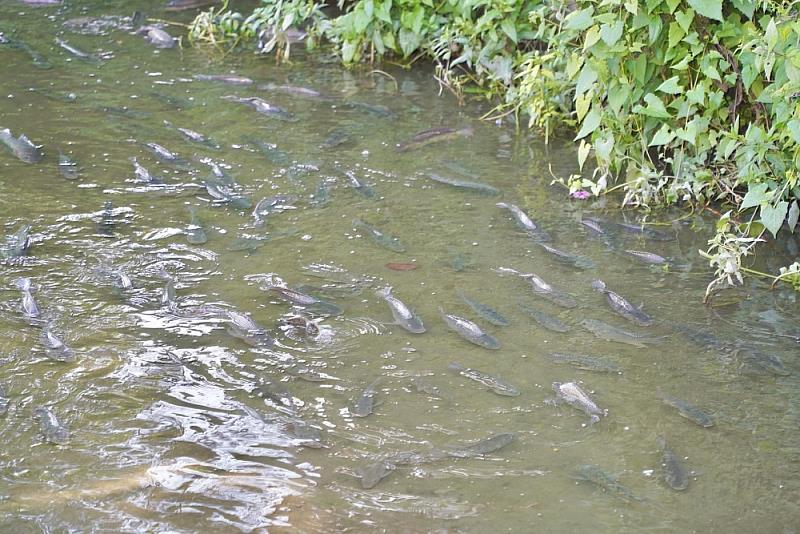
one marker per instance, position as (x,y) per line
(633,229)
(545,320)
(156,36)
(247,244)
(378,236)
(270,150)
(297,324)
(307,434)
(675,474)
(484,446)
(336,138)
(621,306)
(106,225)
(478,187)
(598,477)
(372,474)
(495,383)
(586,363)
(360,186)
(757,362)
(572,394)
(21,146)
(29,307)
(54,347)
(67,167)
(579,262)
(16,245)
(542,288)
(376,110)
(402,314)
(263,107)
(275,392)
(243,327)
(612,333)
(365,402)
(470,331)
(195,234)
(690,412)
(222,194)
(224,78)
(490,314)
(424,386)
(54,431)
(433,135)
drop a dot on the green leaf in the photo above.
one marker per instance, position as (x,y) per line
(409,41)
(696,95)
(756,195)
(771,35)
(580,20)
(746,7)
(689,132)
(794,128)
(663,136)
(603,146)
(670,86)
(349,49)
(583,152)
(712,72)
(382,12)
(509,28)
(794,214)
(590,124)
(772,216)
(591,37)
(369,7)
(675,34)
(711,9)
(360,20)
(611,34)
(655,107)
(684,19)
(585,80)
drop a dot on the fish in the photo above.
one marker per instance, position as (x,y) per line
(416,457)
(308,302)
(67,167)
(156,36)
(243,327)
(371,474)
(494,383)
(365,402)
(54,431)
(545,320)
(470,331)
(164,155)
(478,187)
(195,234)
(169,297)
(335,138)
(224,78)
(106,223)
(520,217)
(16,245)
(143,175)
(299,324)
(275,391)
(321,196)
(424,386)
(433,135)
(690,412)
(29,307)
(80,54)
(21,147)
(572,394)
(55,348)
(542,288)
(757,362)
(376,110)
(290,90)
(579,262)
(621,306)
(361,187)
(612,333)
(402,314)
(674,472)
(490,314)
(222,194)
(483,446)
(645,257)
(379,236)
(309,435)
(585,363)
(4,401)
(263,107)
(270,150)
(274,204)
(598,477)
(196,137)
(642,230)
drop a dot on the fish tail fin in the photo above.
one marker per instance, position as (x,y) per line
(501,205)
(24,284)
(599,285)
(384,292)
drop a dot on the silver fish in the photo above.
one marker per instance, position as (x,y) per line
(572,394)
(553,324)
(143,175)
(542,288)
(195,233)
(54,431)
(80,54)
(645,257)
(263,107)
(470,331)
(67,167)
(612,333)
(495,383)
(156,36)
(21,146)
(583,362)
(579,262)
(521,218)
(4,401)
(29,307)
(621,306)
(402,314)
(379,236)
(478,187)
(54,347)
(224,78)
(243,327)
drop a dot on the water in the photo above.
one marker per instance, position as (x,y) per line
(175,425)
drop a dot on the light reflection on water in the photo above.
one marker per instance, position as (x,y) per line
(177,425)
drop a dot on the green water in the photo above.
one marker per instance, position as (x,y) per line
(170,430)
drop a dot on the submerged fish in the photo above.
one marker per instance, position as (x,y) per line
(632,228)
(583,362)
(224,78)
(579,262)
(16,245)
(196,137)
(263,107)
(163,154)
(80,54)
(433,135)
(54,431)
(290,90)
(547,321)
(373,473)
(402,314)
(156,36)
(424,386)
(195,234)
(67,167)
(690,412)
(542,288)
(297,324)
(243,327)
(270,150)
(478,187)
(621,306)
(483,446)
(757,362)
(490,314)
(274,204)
(378,236)
(38,60)
(495,383)
(21,146)
(143,175)
(365,402)
(55,348)
(521,218)
(359,185)
(182,5)
(470,331)
(612,333)
(29,307)
(308,302)
(572,394)
(645,257)
(336,138)
(675,474)
(598,477)
(223,194)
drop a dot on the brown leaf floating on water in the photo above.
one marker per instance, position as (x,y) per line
(402,266)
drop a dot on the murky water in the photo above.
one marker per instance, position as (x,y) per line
(177,425)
